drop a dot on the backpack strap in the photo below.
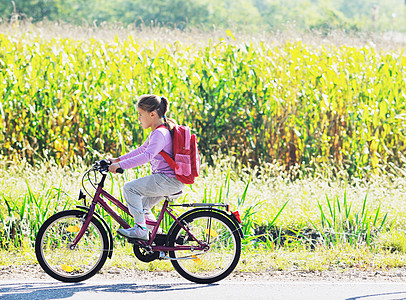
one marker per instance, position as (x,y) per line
(169,160)
(187,139)
(166,156)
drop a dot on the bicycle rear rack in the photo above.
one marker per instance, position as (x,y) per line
(202,205)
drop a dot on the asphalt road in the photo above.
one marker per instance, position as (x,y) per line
(229,290)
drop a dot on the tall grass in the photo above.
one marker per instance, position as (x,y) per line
(288,102)
(276,212)
(23,218)
(339,224)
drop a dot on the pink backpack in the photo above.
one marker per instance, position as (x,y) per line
(187,159)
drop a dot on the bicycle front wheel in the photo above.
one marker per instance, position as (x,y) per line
(215,263)
(52,247)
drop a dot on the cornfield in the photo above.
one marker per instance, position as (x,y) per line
(289,103)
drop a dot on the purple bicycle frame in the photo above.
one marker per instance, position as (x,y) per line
(97,199)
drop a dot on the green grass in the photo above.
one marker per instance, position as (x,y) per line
(308,223)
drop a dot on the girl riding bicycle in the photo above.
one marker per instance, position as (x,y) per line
(143,193)
(203,243)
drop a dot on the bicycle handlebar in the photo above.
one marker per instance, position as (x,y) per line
(104,164)
(101,166)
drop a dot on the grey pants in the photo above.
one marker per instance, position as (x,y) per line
(143,193)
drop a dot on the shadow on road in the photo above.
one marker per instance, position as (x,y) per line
(398,295)
(59,290)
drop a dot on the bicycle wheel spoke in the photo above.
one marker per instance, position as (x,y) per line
(219,259)
(53,247)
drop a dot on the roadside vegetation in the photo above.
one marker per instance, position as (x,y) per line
(311,223)
(305,137)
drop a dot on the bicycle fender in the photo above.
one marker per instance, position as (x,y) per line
(110,235)
(230,216)
(234,220)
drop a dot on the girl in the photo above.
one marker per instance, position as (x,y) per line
(143,193)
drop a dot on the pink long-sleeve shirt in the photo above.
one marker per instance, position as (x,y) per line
(159,139)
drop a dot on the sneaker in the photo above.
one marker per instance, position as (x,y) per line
(136,232)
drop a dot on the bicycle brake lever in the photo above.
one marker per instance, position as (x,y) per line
(104,163)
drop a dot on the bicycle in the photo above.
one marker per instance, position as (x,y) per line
(203,244)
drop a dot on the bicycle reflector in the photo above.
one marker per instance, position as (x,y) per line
(67,268)
(72,228)
(196,259)
(237,216)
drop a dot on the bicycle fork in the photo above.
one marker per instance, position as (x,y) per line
(87,217)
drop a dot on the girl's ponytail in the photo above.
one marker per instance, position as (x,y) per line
(169,123)
(163,107)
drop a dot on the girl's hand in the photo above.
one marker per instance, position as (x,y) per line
(114,160)
(113,167)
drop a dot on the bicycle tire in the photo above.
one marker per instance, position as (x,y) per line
(216,263)
(58,260)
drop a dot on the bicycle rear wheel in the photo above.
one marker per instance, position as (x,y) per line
(52,247)
(219,260)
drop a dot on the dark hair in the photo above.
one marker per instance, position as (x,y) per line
(159,104)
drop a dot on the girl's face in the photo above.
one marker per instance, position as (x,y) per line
(146,119)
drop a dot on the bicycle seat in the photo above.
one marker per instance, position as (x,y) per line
(174,196)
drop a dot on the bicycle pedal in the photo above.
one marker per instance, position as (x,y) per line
(136,241)
(133,241)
